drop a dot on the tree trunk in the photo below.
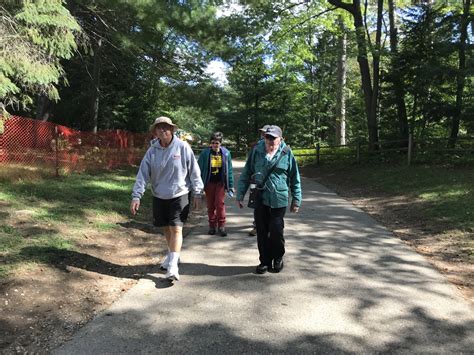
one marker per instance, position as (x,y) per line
(414,109)
(43,108)
(341,86)
(376,67)
(312,111)
(256,105)
(397,82)
(362,59)
(95,97)
(461,75)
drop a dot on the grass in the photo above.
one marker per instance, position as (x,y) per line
(446,193)
(47,212)
(388,155)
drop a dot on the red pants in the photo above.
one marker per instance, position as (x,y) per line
(215,195)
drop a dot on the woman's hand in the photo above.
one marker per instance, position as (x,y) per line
(240,204)
(134,206)
(197,202)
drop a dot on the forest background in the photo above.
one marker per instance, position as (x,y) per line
(326,71)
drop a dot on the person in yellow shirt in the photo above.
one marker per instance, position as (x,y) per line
(215,163)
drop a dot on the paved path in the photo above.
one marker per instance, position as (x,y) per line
(348,286)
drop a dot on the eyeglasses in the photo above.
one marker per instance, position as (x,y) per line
(164,127)
(215,142)
(269,137)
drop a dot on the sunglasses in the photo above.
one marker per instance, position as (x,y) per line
(269,137)
(215,142)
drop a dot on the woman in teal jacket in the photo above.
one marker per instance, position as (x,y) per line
(215,163)
(271,155)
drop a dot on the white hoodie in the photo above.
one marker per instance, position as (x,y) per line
(173,171)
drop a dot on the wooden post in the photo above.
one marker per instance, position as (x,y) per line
(410,147)
(318,153)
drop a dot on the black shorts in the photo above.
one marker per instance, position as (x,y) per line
(172,212)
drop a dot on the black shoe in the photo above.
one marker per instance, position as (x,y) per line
(222,232)
(212,231)
(261,269)
(253,232)
(278,265)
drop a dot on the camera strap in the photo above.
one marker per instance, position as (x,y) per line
(284,151)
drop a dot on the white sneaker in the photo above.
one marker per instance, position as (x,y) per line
(172,274)
(165,263)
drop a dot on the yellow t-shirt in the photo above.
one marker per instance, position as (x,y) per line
(216,165)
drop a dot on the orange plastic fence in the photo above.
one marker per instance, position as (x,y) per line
(63,150)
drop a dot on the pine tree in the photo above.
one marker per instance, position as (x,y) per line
(34,36)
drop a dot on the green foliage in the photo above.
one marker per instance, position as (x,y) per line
(146,58)
(198,122)
(428,66)
(151,59)
(34,37)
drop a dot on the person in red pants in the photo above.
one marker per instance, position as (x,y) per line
(215,163)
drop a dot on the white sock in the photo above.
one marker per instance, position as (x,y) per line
(174,257)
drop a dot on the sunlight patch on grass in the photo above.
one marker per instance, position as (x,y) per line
(19,172)
(126,178)
(101,226)
(436,196)
(108,217)
(110,185)
(6,197)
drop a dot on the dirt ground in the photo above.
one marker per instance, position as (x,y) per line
(45,304)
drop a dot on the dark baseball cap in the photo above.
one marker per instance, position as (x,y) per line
(274,131)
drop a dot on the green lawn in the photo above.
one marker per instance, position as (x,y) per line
(446,193)
(54,212)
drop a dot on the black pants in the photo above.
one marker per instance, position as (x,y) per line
(270,240)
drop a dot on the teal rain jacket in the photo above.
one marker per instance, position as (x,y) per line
(285,178)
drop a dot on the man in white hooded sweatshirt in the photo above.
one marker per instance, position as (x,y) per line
(174,175)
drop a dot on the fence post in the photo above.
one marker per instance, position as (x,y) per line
(358,150)
(318,153)
(410,146)
(56,148)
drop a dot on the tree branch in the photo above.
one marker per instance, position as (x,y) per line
(305,20)
(343,5)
